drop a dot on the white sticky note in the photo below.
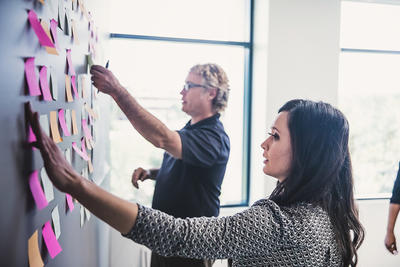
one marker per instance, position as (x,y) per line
(55,216)
(47,185)
(44,123)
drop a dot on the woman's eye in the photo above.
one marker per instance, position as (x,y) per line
(275,136)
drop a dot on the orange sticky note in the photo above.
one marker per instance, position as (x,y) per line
(74,32)
(35,259)
(68,88)
(90,166)
(54,127)
(74,126)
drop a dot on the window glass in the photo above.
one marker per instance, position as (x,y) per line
(369,95)
(370,26)
(206,19)
(154,72)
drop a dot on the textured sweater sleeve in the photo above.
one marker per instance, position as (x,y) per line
(235,236)
(396,189)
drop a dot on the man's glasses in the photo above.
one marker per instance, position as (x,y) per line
(188,86)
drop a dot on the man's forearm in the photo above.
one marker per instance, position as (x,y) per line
(393,212)
(118,213)
(143,121)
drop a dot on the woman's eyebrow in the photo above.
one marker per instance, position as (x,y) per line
(274,128)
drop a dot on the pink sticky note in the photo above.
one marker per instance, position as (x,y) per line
(86,129)
(80,153)
(70,202)
(69,60)
(50,239)
(53,29)
(61,119)
(73,81)
(31,135)
(40,33)
(31,79)
(84,147)
(44,84)
(37,191)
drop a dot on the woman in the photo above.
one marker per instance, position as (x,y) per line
(309,220)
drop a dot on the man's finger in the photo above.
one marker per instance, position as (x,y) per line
(97,68)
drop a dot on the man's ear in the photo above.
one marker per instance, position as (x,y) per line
(212,92)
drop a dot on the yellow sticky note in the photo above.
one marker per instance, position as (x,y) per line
(74,126)
(90,166)
(68,88)
(54,127)
(35,259)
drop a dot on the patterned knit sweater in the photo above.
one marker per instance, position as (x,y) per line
(263,235)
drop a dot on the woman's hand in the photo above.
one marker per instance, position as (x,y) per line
(60,172)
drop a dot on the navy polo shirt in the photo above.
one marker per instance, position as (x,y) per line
(190,187)
(396,189)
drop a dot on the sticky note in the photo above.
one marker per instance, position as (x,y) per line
(86,129)
(90,166)
(53,29)
(87,212)
(67,26)
(82,212)
(79,152)
(88,145)
(73,81)
(83,146)
(44,123)
(44,84)
(37,191)
(47,185)
(31,135)
(74,126)
(35,259)
(61,14)
(38,29)
(53,84)
(50,240)
(61,119)
(68,88)
(70,202)
(71,68)
(68,155)
(74,32)
(81,85)
(54,127)
(55,216)
(45,26)
(31,79)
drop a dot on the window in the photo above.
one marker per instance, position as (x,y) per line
(152,54)
(369,93)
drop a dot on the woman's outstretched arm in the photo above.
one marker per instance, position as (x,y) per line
(118,213)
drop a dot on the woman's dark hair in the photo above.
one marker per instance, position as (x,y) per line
(321,170)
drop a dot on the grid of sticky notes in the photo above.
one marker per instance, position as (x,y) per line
(67,125)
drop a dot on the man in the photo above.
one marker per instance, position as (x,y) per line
(189,181)
(394,208)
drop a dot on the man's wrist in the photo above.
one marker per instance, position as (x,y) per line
(118,93)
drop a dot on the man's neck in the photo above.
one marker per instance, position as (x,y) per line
(196,119)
